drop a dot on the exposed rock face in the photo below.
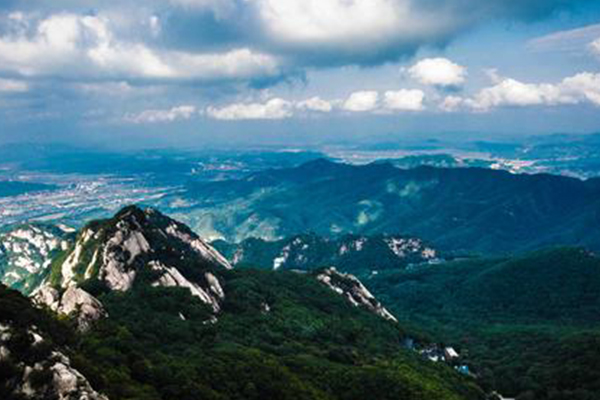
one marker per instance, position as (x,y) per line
(120,251)
(183,233)
(62,381)
(354,291)
(74,301)
(211,295)
(25,253)
(68,383)
(117,251)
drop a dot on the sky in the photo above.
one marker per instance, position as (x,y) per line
(187,72)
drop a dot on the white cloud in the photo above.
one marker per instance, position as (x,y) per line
(580,88)
(362,101)
(365,30)
(583,86)
(292,33)
(315,104)
(12,85)
(438,72)
(404,100)
(155,25)
(373,31)
(273,109)
(510,92)
(451,103)
(493,75)
(73,46)
(183,112)
(332,21)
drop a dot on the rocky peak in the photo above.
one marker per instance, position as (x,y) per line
(118,251)
(115,250)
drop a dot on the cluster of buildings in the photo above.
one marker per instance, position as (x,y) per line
(437,353)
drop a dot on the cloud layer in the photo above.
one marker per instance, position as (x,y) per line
(237,39)
(164,61)
(365,100)
(273,109)
(582,88)
(72,46)
(577,89)
(13,86)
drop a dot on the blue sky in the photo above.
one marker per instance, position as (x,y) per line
(295,71)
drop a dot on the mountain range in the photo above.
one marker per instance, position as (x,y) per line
(361,307)
(139,307)
(326,281)
(26,251)
(464,209)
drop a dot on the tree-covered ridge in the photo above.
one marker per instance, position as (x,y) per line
(358,254)
(530,325)
(468,209)
(280,335)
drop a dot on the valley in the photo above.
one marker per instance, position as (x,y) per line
(75,184)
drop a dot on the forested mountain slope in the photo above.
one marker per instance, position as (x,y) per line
(530,325)
(151,311)
(467,209)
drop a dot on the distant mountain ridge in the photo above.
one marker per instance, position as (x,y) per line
(358,254)
(467,209)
